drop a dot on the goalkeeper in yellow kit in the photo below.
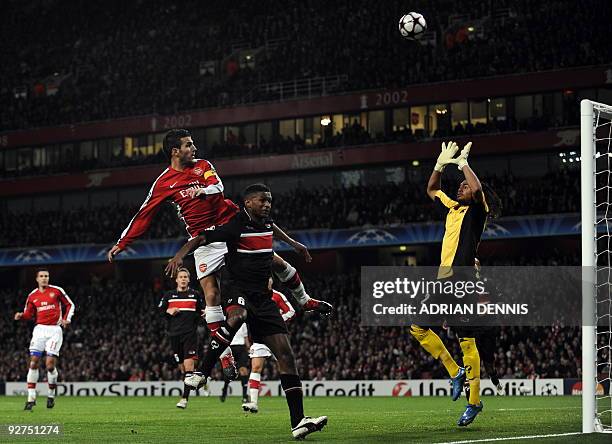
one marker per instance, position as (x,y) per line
(465,221)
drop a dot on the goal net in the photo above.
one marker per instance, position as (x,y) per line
(596,216)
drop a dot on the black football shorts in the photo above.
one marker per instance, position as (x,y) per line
(184,346)
(263,315)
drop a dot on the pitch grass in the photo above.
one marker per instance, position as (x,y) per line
(362,420)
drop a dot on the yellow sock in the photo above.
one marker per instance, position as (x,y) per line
(471,360)
(432,343)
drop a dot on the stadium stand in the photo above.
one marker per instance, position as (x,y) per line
(321,208)
(118,335)
(74,75)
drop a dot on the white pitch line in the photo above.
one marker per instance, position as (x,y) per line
(503,409)
(536,408)
(512,438)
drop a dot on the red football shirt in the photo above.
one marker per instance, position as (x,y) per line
(47,306)
(198,213)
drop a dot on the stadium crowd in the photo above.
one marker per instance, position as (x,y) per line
(118,334)
(74,74)
(301,208)
(351,135)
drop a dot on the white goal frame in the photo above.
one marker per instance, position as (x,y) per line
(588,152)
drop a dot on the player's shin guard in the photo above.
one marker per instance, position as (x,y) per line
(254,386)
(32,379)
(471,361)
(291,278)
(52,380)
(432,343)
(292,386)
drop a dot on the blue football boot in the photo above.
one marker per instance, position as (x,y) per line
(469,415)
(457,384)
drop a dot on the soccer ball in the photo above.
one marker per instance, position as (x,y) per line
(412,26)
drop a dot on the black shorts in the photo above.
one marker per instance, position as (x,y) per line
(241,355)
(184,346)
(263,315)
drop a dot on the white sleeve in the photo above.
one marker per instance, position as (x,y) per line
(67,302)
(217,186)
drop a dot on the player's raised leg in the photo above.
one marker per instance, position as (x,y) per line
(238,346)
(433,345)
(289,276)
(215,317)
(301,425)
(219,341)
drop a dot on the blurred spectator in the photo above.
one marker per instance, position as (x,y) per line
(118,335)
(317,208)
(353,135)
(82,61)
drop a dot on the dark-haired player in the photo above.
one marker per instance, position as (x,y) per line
(465,221)
(45,304)
(183,307)
(249,260)
(196,191)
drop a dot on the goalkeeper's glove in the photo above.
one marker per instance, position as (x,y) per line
(446,156)
(461,161)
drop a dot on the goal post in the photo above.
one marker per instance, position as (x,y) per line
(596,203)
(589,251)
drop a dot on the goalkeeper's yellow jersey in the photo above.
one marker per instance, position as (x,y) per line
(462,231)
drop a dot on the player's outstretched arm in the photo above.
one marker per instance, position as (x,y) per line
(177,261)
(469,174)
(434,184)
(299,248)
(229,232)
(113,252)
(444,158)
(142,219)
(27,313)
